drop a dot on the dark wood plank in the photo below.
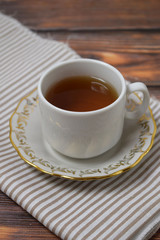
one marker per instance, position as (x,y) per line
(86,26)
(17,224)
(82,14)
(136,54)
(155,92)
(129,52)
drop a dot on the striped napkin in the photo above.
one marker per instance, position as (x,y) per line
(123,207)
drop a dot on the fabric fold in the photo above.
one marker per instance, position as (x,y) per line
(122,207)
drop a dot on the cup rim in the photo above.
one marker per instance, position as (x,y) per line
(56,65)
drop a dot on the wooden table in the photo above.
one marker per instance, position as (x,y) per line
(123,33)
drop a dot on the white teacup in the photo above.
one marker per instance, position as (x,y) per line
(86,134)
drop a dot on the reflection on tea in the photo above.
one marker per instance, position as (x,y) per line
(81,94)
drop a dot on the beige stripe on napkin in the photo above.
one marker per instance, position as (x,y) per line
(122,207)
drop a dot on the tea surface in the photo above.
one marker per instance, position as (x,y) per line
(81,94)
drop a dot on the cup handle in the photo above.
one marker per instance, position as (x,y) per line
(141,109)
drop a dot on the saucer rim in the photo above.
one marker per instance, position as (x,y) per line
(72,177)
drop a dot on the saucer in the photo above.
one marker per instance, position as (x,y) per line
(26,137)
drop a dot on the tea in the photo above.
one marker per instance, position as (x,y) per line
(81,94)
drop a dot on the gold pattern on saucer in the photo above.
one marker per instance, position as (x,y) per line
(19,140)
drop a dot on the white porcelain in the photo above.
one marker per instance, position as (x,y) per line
(26,137)
(86,134)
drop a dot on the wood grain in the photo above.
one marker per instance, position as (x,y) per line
(82,14)
(123,33)
(17,224)
(136,54)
